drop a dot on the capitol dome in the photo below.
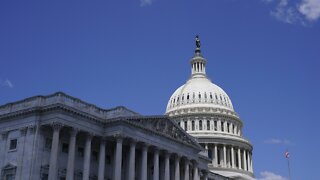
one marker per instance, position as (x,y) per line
(205,111)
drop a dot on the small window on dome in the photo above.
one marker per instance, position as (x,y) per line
(174,101)
(188,97)
(182,97)
(178,99)
(220,98)
(215,126)
(208,125)
(216,96)
(194,96)
(200,125)
(192,125)
(210,96)
(185,125)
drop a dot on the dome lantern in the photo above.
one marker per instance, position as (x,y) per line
(198,63)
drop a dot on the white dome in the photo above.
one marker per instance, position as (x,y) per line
(199,92)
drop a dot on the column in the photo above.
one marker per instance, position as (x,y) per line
(248,161)
(144,163)
(245,160)
(71,153)
(167,166)
(54,151)
(21,154)
(132,160)
(213,156)
(228,157)
(224,156)
(156,165)
(232,157)
(177,168)
(206,149)
(239,158)
(186,169)
(195,172)
(118,159)
(87,157)
(219,125)
(216,154)
(102,159)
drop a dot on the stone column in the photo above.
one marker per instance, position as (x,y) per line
(245,160)
(232,157)
(216,154)
(156,165)
(118,159)
(21,140)
(167,166)
(224,156)
(71,153)
(144,164)
(177,168)
(219,125)
(54,151)
(186,170)
(102,159)
(132,160)
(3,147)
(195,172)
(87,157)
(239,158)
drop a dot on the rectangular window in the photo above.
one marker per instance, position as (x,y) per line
(13,144)
(80,151)
(9,177)
(65,147)
(48,143)
(95,155)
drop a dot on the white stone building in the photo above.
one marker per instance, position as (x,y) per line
(205,111)
(60,137)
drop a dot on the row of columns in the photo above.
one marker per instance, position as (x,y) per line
(214,125)
(228,155)
(117,160)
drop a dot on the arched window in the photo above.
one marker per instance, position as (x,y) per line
(188,96)
(186,125)
(228,127)
(192,125)
(208,125)
(200,125)
(222,126)
(215,126)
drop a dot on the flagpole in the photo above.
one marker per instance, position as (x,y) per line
(288,161)
(289,168)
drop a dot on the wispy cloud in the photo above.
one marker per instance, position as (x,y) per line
(310,9)
(287,13)
(266,175)
(6,83)
(278,141)
(145,2)
(292,12)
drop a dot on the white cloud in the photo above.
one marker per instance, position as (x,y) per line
(6,83)
(145,2)
(310,9)
(286,13)
(278,141)
(266,175)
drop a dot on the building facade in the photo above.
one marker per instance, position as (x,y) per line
(206,112)
(59,137)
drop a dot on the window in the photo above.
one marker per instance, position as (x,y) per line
(80,151)
(108,159)
(95,155)
(185,125)
(13,144)
(200,125)
(48,143)
(192,125)
(208,125)
(215,126)
(222,126)
(65,147)
(8,172)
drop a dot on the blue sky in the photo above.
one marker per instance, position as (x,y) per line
(263,53)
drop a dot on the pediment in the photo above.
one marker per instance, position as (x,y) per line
(166,127)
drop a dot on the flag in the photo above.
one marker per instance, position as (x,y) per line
(286,154)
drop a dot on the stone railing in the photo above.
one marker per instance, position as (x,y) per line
(61,98)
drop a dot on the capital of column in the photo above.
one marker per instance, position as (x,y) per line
(118,137)
(90,135)
(4,135)
(23,131)
(56,126)
(32,128)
